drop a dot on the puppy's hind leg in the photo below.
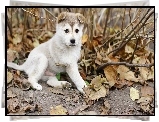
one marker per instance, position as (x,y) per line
(53,81)
(40,65)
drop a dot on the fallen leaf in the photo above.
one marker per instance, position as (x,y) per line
(97,82)
(125,73)
(35,43)
(13,105)
(146,100)
(151,73)
(84,38)
(10,94)
(111,75)
(17,39)
(58,110)
(129,49)
(134,94)
(98,59)
(122,83)
(9,77)
(11,55)
(102,92)
(144,73)
(105,109)
(31,108)
(145,107)
(58,76)
(147,91)
(145,103)
(92,95)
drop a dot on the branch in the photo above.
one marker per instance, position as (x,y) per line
(35,15)
(132,31)
(111,39)
(92,22)
(123,63)
(49,13)
(10,27)
(108,11)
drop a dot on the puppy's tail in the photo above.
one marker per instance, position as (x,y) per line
(15,66)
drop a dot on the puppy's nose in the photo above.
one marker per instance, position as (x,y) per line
(72,41)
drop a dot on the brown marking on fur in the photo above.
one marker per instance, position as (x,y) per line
(71,18)
(61,17)
(81,18)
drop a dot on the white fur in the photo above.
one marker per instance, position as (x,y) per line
(56,55)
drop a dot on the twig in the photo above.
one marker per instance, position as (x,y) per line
(111,39)
(10,27)
(108,11)
(92,21)
(69,10)
(49,13)
(25,20)
(132,31)
(123,22)
(137,39)
(35,15)
(134,50)
(124,63)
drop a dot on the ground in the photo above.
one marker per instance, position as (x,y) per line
(71,99)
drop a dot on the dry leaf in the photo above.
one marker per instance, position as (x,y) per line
(58,110)
(145,107)
(102,92)
(92,95)
(151,73)
(13,105)
(17,39)
(125,73)
(144,73)
(9,77)
(134,94)
(10,94)
(121,83)
(105,109)
(11,55)
(146,100)
(145,103)
(84,38)
(129,49)
(147,91)
(35,43)
(98,88)
(111,75)
(97,82)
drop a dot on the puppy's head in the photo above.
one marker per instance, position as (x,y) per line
(70,28)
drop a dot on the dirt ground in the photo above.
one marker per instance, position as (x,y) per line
(73,101)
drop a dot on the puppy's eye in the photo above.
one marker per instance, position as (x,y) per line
(76,30)
(66,31)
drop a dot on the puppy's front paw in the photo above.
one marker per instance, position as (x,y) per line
(80,88)
(65,84)
(37,86)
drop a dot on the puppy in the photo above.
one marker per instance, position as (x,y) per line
(59,54)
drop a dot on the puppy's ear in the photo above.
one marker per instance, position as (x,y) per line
(81,18)
(61,17)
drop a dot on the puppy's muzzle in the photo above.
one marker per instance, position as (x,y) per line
(72,42)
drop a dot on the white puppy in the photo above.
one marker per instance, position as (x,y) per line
(59,54)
